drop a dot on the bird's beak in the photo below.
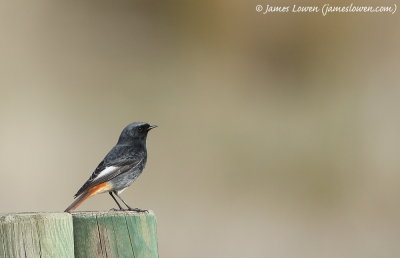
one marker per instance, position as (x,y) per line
(151,127)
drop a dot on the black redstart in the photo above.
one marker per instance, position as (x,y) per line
(119,169)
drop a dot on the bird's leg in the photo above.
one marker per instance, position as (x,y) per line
(129,208)
(119,206)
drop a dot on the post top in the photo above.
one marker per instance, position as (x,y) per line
(111,213)
(24,216)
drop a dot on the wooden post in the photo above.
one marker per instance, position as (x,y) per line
(36,235)
(115,234)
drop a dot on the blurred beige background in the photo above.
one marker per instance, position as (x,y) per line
(278,134)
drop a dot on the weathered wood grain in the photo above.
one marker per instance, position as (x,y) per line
(115,234)
(36,235)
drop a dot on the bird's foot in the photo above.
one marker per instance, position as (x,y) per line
(114,209)
(129,209)
(137,210)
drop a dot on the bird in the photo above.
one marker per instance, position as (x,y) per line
(120,168)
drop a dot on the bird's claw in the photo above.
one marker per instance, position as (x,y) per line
(129,209)
(137,210)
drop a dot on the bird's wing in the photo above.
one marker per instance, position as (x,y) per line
(107,170)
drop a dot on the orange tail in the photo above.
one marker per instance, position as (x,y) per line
(78,201)
(101,188)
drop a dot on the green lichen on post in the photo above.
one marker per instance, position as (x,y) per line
(36,235)
(115,234)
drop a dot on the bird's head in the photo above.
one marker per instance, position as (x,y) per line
(135,133)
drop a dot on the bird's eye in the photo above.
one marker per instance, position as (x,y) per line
(140,129)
